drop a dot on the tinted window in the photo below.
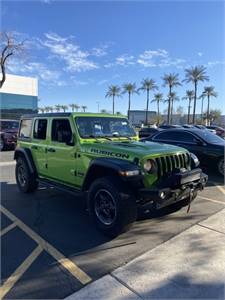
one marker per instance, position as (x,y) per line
(210,137)
(61,131)
(176,136)
(25,128)
(9,125)
(40,128)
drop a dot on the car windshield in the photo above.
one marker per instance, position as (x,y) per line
(210,137)
(104,127)
(9,125)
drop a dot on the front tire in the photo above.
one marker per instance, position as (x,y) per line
(221,166)
(112,208)
(26,181)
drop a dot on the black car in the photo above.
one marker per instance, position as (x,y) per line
(148,131)
(169,126)
(208,147)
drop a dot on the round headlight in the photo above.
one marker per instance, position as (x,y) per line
(147,165)
(194,161)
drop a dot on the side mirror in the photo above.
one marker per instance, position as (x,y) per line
(68,140)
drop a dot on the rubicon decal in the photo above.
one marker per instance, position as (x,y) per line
(109,153)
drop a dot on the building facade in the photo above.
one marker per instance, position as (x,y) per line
(138,117)
(18,96)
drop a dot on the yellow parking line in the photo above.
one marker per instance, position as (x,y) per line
(5,230)
(212,200)
(19,272)
(65,262)
(221,188)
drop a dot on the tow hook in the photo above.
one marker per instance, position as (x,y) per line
(191,195)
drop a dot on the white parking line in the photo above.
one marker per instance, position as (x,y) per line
(221,188)
(212,200)
(7,163)
(19,272)
(5,230)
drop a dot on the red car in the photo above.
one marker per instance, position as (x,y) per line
(219,130)
(8,134)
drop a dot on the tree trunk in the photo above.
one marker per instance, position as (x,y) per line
(146,116)
(128,113)
(195,100)
(208,121)
(3,75)
(158,113)
(168,114)
(171,114)
(202,111)
(113,103)
(189,108)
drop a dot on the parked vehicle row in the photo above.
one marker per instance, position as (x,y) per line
(8,134)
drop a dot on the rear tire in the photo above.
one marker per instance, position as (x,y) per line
(2,144)
(26,181)
(111,206)
(221,166)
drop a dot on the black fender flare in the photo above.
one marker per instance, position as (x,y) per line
(104,165)
(26,153)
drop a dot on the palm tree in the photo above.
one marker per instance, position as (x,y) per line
(64,107)
(202,97)
(113,91)
(73,106)
(171,80)
(76,106)
(158,98)
(129,88)
(190,94)
(148,85)
(173,97)
(58,107)
(47,109)
(194,75)
(209,91)
(84,107)
(41,109)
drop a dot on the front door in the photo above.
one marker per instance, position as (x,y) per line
(61,153)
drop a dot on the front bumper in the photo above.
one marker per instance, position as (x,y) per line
(173,188)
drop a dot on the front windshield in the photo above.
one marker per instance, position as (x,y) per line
(104,127)
(210,137)
(9,124)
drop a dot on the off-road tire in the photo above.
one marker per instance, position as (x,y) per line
(26,181)
(125,205)
(2,144)
(220,166)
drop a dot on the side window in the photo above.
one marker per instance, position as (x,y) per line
(162,136)
(40,129)
(187,137)
(25,128)
(61,131)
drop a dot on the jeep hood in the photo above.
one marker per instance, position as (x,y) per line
(130,149)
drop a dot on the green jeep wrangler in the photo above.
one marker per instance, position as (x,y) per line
(100,155)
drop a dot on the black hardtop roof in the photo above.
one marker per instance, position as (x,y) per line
(59,114)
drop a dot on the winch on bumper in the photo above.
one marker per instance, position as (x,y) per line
(174,187)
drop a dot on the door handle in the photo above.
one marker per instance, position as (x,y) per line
(34,147)
(51,150)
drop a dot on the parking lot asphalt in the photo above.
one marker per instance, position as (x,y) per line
(50,248)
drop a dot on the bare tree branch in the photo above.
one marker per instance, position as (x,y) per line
(10,46)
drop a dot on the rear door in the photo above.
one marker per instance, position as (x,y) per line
(39,145)
(61,152)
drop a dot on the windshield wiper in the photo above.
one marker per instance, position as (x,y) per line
(99,137)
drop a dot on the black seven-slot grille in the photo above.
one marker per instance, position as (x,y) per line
(168,163)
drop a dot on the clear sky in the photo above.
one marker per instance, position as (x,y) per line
(78,48)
